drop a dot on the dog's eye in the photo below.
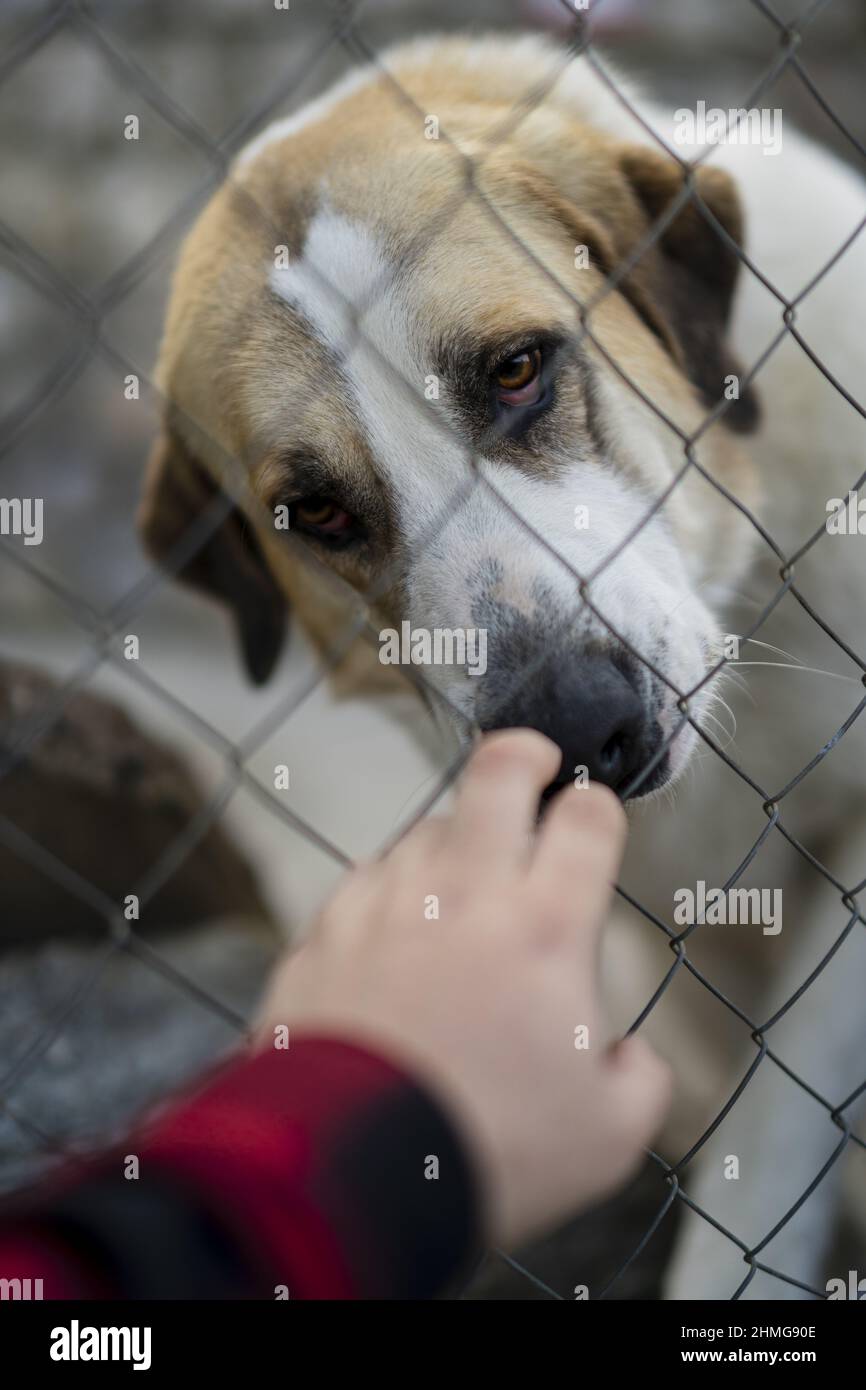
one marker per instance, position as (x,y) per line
(518,378)
(320,516)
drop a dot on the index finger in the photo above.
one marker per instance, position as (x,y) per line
(578,853)
(497,801)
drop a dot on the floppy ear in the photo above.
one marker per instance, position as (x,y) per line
(228,565)
(691,280)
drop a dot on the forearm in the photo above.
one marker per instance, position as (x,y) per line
(319,1171)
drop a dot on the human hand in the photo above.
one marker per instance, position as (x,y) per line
(489,1001)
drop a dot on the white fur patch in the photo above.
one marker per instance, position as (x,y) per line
(344,287)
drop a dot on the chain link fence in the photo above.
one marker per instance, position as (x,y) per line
(341,31)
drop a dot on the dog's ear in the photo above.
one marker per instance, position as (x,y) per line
(689,284)
(228,564)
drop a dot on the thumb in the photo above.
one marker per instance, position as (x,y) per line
(641,1088)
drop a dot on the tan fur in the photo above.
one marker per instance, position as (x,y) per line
(241,371)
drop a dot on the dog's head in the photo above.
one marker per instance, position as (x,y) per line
(398,317)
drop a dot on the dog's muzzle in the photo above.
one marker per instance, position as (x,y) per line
(591,707)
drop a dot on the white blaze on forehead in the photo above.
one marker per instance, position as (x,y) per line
(344,287)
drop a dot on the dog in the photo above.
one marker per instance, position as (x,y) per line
(462,338)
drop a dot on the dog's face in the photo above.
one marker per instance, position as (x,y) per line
(401,364)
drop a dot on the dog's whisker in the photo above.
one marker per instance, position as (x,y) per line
(739,682)
(729,733)
(770,648)
(715,696)
(743,689)
(795,666)
(708,713)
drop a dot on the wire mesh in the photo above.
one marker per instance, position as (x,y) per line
(104,629)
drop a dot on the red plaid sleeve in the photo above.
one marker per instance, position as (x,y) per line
(319,1171)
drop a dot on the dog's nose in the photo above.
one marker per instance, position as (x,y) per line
(590,709)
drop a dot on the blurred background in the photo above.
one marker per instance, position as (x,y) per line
(89,217)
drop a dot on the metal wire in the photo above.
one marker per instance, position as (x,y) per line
(103,628)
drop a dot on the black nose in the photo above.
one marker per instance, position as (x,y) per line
(592,710)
